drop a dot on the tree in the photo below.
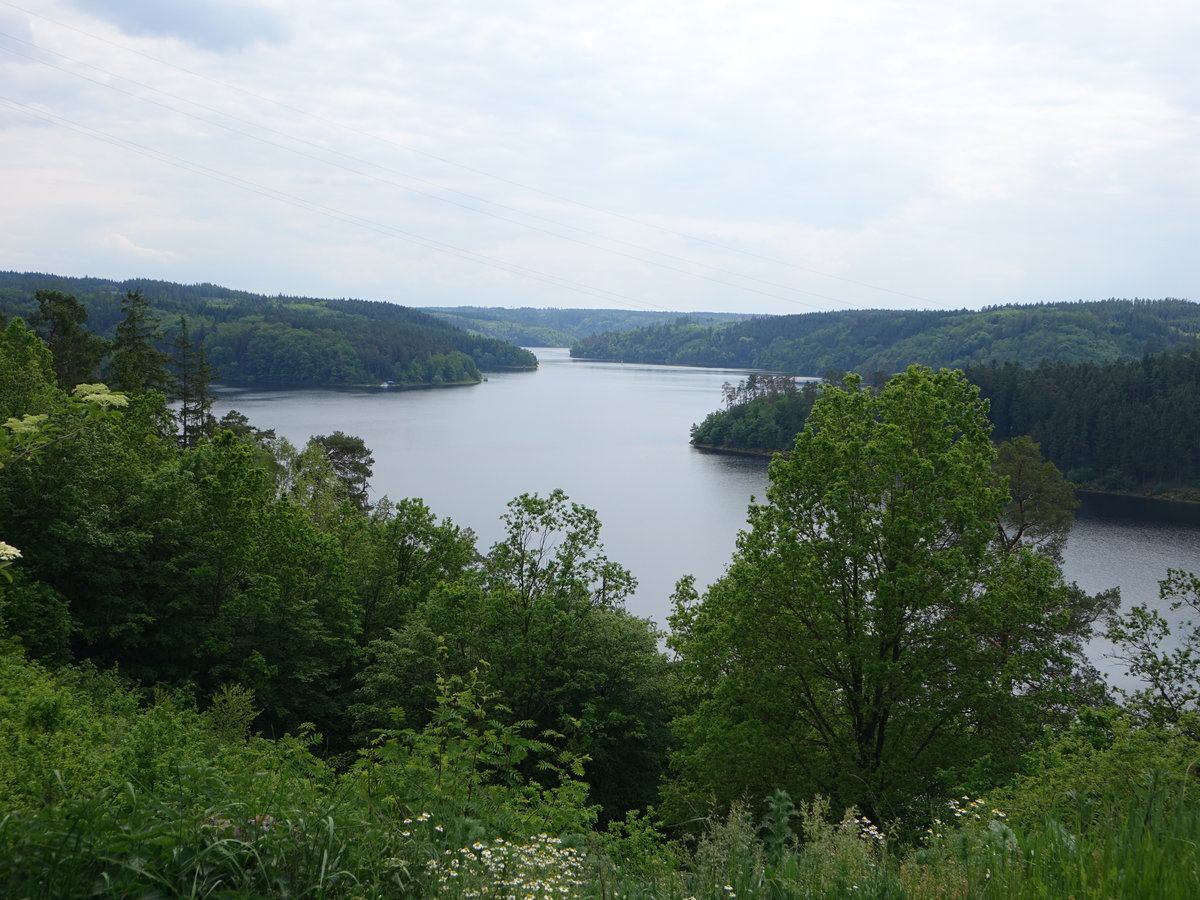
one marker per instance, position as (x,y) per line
(869,642)
(350,458)
(27,379)
(1041,505)
(193,387)
(77,351)
(1165,660)
(546,614)
(137,364)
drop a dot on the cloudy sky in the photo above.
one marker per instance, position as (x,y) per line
(779,156)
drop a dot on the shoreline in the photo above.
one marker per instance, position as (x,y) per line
(1188,496)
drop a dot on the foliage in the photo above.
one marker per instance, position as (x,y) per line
(288,341)
(28,385)
(545,612)
(1041,502)
(867,341)
(77,352)
(757,420)
(869,642)
(224,673)
(529,327)
(137,363)
(1129,424)
(192,390)
(351,462)
(1166,660)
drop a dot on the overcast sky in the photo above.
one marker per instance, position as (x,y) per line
(779,157)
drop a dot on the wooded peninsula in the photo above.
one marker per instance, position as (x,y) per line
(280,342)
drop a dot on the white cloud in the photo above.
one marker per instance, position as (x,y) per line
(951,154)
(218,25)
(124,246)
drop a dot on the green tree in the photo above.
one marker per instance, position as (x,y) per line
(1165,660)
(77,351)
(193,387)
(546,613)
(137,364)
(1041,504)
(351,460)
(869,642)
(27,378)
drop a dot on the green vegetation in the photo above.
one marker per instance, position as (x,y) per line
(887,341)
(762,414)
(225,671)
(1128,425)
(255,340)
(528,327)
(917,653)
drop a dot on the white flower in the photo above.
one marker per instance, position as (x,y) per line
(8,552)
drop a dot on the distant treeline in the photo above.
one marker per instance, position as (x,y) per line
(887,341)
(253,339)
(528,327)
(1127,425)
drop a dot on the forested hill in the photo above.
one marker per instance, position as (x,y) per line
(253,339)
(529,327)
(888,341)
(1129,425)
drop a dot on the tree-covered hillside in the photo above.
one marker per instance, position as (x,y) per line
(1130,425)
(252,339)
(871,341)
(529,327)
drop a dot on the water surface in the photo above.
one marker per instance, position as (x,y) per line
(614,437)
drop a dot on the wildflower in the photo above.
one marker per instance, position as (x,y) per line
(27,424)
(8,552)
(100,395)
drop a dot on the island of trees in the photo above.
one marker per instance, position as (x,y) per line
(227,670)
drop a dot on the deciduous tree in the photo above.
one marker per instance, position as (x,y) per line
(77,351)
(869,642)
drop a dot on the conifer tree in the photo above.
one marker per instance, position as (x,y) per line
(193,387)
(137,364)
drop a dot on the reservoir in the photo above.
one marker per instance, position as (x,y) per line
(615,438)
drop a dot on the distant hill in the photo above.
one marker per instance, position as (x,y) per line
(873,341)
(253,339)
(528,327)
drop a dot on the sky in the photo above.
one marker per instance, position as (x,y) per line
(783,156)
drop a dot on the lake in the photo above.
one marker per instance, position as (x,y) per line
(615,437)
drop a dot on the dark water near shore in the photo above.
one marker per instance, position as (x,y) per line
(614,437)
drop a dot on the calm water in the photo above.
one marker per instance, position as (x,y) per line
(614,437)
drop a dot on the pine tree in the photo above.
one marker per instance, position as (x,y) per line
(137,364)
(193,388)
